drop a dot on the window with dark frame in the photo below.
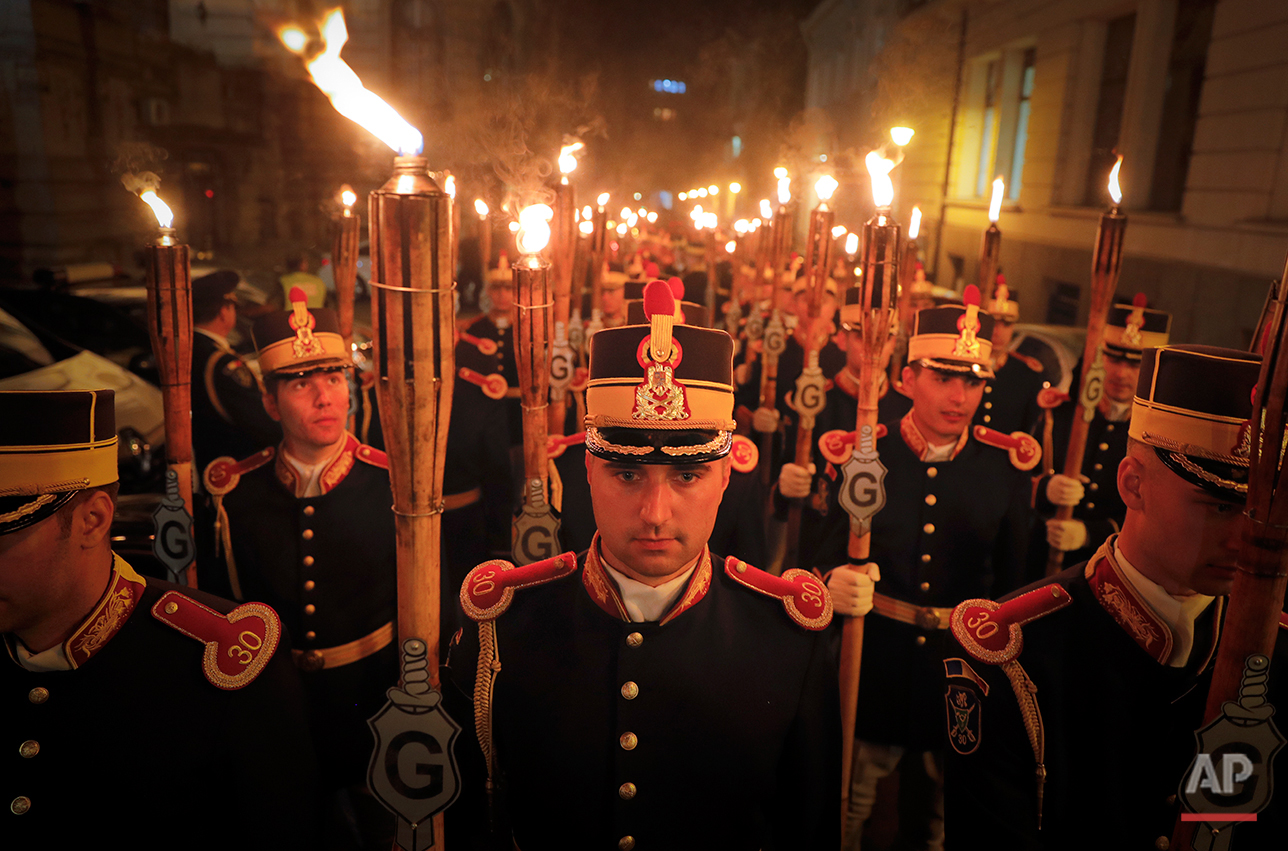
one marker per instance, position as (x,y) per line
(1109,106)
(1185,67)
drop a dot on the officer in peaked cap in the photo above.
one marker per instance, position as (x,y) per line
(1011,398)
(95,652)
(652,694)
(1099,509)
(954,526)
(306,526)
(228,417)
(1071,706)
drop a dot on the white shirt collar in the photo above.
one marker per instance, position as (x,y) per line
(311,474)
(649,602)
(53,659)
(939,453)
(221,342)
(1179,613)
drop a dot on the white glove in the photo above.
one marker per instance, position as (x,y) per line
(1066,535)
(851,589)
(794,481)
(1063,490)
(742,373)
(765,420)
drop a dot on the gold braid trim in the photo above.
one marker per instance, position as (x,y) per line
(223,535)
(489,665)
(1026,696)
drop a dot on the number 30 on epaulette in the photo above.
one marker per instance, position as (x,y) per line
(238,644)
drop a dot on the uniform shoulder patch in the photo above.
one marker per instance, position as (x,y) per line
(372,456)
(1023,449)
(745,454)
(237,371)
(1051,397)
(238,644)
(489,588)
(836,445)
(803,594)
(557,444)
(223,474)
(1029,361)
(990,631)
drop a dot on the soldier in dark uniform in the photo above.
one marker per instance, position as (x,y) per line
(1099,509)
(142,714)
(652,693)
(228,417)
(1071,707)
(954,526)
(1011,398)
(497,325)
(307,528)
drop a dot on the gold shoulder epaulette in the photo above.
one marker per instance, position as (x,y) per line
(223,474)
(745,454)
(238,644)
(803,594)
(1024,450)
(991,631)
(489,588)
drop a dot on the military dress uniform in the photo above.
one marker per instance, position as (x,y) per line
(326,563)
(168,717)
(1011,398)
(713,726)
(1070,706)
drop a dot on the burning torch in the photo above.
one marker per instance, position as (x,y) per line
(990,247)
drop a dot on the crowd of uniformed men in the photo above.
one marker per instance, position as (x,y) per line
(651,688)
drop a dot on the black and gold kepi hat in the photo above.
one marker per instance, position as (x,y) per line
(1003,306)
(660,393)
(1129,328)
(954,338)
(300,340)
(53,443)
(1193,405)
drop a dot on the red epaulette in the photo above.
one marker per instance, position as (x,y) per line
(803,594)
(1028,360)
(991,632)
(238,644)
(489,588)
(556,444)
(837,445)
(1050,397)
(372,456)
(745,454)
(223,474)
(1024,450)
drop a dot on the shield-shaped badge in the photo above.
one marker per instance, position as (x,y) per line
(809,400)
(1093,387)
(862,492)
(413,770)
(535,529)
(963,714)
(172,525)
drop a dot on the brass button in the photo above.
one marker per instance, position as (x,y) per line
(308,561)
(310,609)
(929,528)
(634,640)
(1162,843)
(1098,467)
(171,608)
(740,567)
(925,586)
(930,499)
(921,639)
(988,388)
(626,843)
(987,418)
(932,471)
(988,405)
(630,691)
(1090,506)
(626,791)
(1103,447)
(28,749)
(925,558)
(629,741)
(310,585)
(310,635)
(22,803)
(308,534)
(39,694)
(309,510)
(1094,487)
(1109,427)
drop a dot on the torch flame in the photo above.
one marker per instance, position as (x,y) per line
(879,171)
(165,216)
(652,217)
(838,231)
(348,197)
(852,244)
(603,198)
(567,162)
(914,227)
(780,172)
(995,205)
(741,226)
(1115,191)
(449,186)
(825,186)
(731,246)
(586,212)
(534,228)
(480,207)
(350,98)
(766,211)
(586,226)
(784,190)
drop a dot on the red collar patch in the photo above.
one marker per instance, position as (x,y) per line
(603,590)
(124,590)
(918,444)
(1123,602)
(335,471)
